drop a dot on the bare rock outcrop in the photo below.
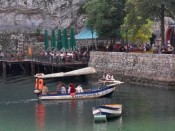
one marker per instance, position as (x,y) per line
(29,15)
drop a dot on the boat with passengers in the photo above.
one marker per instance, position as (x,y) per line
(98,90)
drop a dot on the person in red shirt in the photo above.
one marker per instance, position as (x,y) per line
(72,89)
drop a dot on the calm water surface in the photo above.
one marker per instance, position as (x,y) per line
(144,109)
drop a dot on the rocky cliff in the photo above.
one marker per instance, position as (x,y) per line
(29,15)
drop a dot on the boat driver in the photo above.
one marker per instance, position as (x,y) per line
(109,77)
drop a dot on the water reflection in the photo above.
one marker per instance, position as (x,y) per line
(40,116)
(100,126)
(73,104)
(62,113)
(106,126)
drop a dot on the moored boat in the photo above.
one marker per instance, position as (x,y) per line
(108,110)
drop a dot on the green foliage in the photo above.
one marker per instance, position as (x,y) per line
(105,16)
(150,8)
(140,11)
(138,35)
(147,9)
(143,34)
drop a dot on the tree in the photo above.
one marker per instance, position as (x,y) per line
(105,17)
(141,35)
(149,9)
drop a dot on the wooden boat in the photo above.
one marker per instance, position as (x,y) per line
(109,110)
(101,89)
(95,92)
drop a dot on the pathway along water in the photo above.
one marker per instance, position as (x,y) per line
(144,109)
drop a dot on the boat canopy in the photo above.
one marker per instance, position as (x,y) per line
(83,71)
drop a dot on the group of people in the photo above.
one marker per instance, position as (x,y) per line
(62,56)
(60,88)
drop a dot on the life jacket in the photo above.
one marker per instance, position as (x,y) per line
(39,84)
(36,83)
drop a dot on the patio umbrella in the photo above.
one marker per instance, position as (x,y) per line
(46,41)
(64,40)
(53,42)
(72,39)
(59,42)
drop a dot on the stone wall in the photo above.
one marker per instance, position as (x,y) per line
(149,69)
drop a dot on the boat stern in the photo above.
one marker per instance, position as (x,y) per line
(37,92)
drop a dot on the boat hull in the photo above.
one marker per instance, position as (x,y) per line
(111,111)
(104,92)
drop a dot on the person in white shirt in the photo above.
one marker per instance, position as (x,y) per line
(109,77)
(79,89)
(61,89)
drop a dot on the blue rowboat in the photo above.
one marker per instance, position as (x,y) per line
(109,110)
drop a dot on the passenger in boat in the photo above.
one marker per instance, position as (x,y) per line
(58,87)
(45,89)
(79,89)
(71,89)
(109,77)
(61,89)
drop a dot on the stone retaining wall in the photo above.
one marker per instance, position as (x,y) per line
(154,69)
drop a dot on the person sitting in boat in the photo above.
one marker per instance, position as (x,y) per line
(58,86)
(109,77)
(71,89)
(79,89)
(45,89)
(61,89)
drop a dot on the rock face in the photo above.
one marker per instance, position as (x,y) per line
(30,15)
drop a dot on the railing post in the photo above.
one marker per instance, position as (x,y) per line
(32,68)
(4,70)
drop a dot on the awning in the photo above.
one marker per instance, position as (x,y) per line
(86,33)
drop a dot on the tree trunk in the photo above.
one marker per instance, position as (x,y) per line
(162,25)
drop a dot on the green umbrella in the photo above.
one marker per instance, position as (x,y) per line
(53,42)
(72,39)
(59,43)
(64,40)
(46,41)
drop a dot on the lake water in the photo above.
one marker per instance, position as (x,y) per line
(144,109)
